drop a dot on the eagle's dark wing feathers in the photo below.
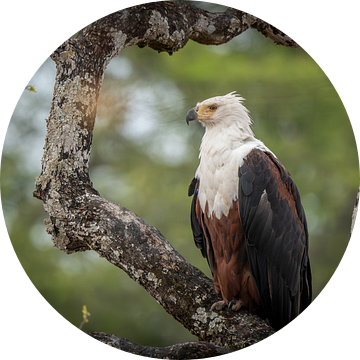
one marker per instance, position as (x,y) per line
(201,237)
(277,239)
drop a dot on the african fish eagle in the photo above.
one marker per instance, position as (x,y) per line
(247,218)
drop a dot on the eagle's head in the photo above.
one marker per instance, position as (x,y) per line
(221,111)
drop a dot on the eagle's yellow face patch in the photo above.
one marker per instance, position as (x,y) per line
(205,111)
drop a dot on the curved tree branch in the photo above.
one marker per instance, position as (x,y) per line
(198,350)
(79,219)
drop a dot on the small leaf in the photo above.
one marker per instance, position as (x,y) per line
(30,88)
(85,313)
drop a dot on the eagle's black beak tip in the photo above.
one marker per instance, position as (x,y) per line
(191,115)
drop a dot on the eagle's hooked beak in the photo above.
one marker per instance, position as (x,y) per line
(191,115)
(203,113)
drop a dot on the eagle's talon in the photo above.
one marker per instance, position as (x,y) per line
(231,303)
(219,305)
(235,305)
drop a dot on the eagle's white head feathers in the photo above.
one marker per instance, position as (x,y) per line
(225,111)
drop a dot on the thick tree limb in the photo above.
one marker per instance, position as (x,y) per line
(198,350)
(79,219)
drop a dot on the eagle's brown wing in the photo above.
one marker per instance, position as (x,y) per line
(276,234)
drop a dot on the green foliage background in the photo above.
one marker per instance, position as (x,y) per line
(144,157)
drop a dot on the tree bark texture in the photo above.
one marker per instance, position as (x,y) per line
(198,350)
(79,219)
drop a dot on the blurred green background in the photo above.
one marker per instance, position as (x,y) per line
(144,157)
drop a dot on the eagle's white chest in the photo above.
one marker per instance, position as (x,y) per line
(218,173)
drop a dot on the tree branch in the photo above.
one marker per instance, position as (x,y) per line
(273,33)
(355,211)
(198,350)
(79,219)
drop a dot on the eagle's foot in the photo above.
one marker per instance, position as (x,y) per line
(219,305)
(235,305)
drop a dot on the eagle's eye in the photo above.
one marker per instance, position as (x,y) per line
(213,107)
